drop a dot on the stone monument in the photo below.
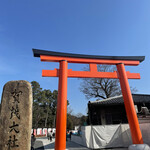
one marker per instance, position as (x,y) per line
(16,116)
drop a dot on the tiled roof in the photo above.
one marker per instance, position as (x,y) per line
(137,98)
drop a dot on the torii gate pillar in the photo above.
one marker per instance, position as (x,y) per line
(60,142)
(63,73)
(129,106)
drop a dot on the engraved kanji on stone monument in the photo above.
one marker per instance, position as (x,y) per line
(16,116)
(14,110)
(13,127)
(15,95)
(12,142)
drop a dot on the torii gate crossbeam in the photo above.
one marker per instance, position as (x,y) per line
(63,73)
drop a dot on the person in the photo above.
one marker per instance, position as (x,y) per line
(48,135)
(70,135)
(51,135)
(33,139)
(67,134)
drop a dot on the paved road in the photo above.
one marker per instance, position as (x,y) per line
(45,144)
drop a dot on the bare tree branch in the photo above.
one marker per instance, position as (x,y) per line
(99,87)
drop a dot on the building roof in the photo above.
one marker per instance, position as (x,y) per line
(118,100)
(38,52)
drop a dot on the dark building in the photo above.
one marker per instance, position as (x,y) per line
(112,110)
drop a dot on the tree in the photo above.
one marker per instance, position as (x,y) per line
(47,104)
(44,106)
(69,122)
(37,111)
(75,119)
(83,120)
(54,106)
(100,87)
(35,89)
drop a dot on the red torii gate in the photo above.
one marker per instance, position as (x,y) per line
(63,73)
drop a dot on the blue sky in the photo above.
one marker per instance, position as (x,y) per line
(94,27)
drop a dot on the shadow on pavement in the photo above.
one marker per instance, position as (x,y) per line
(39,145)
(69,145)
(50,146)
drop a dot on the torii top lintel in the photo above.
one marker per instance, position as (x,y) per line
(80,58)
(92,60)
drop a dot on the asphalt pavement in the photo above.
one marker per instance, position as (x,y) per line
(45,144)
